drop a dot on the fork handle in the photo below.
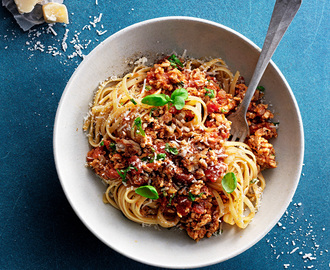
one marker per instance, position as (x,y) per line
(283,14)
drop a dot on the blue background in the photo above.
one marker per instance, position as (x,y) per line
(38,228)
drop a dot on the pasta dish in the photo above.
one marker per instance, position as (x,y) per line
(159,139)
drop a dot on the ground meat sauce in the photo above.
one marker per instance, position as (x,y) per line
(197,157)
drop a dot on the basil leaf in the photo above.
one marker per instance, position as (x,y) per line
(209,92)
(168,98)
(138,124)
(179,103)
(179,97)
(180,92)
(155,100)
(147,192)
(102,143)
(171,150)
(229,182)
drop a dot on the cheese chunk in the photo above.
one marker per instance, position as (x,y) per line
(55,12)
(25,6)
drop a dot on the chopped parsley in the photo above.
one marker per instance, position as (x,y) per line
(138,124)
(151,158)
(161,156)
(133,101)
(122,173)
(261,88)
(175,61)
(171,150)
(193,197)
(181,84)
(112,146)
(209,92)
(170,200)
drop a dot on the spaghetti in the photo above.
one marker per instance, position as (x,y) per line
(159,139)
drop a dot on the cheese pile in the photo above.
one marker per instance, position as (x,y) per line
(52,12)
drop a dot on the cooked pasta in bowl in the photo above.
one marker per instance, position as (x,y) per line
(147,135)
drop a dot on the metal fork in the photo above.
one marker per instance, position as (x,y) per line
(283,14)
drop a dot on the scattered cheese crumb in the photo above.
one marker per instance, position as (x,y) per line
(294,250)
(100,33)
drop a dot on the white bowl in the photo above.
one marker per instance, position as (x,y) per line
(172,248)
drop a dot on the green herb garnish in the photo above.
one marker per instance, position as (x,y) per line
(151,158)
(138,124)
(102,143)
(180,84)
(148,88)
(209,92)
(193,197)
(170,200)
(171,150)
(261,88)
(152,109)
(177,98)
(161,156)
(229,182)
(133,101)
(112,146)
(149,192)
(145,158)
(174,60)
(123,173)
(254,180)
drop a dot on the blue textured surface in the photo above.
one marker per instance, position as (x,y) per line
(38,228)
